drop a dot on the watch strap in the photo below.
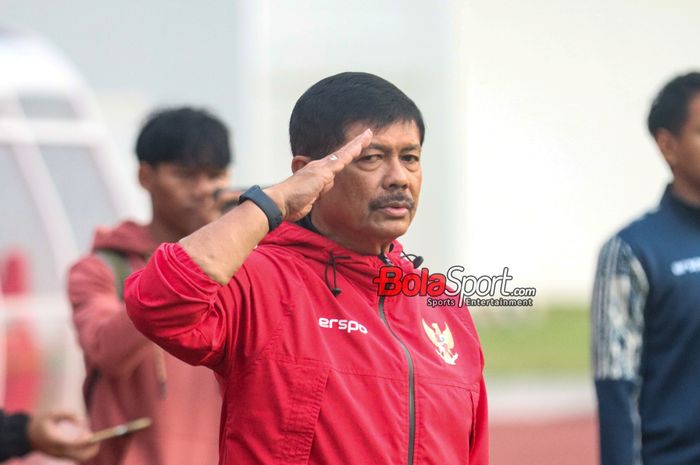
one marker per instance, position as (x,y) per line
(256,195)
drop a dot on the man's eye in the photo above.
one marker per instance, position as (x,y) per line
(411,158)
(370,158)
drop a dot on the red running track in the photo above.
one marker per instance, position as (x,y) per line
(566,441)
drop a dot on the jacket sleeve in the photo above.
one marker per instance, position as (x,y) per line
(13,435)
(617,312)
(108,338)
(174,303)
(479,451)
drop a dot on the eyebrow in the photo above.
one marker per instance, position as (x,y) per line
(386,148)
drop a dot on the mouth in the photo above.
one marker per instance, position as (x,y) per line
(395,209)
(395,212)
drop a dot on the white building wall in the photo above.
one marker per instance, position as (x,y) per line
(536,148)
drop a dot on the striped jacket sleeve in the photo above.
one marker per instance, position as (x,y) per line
(617,313)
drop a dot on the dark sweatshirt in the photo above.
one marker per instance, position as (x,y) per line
(646,339)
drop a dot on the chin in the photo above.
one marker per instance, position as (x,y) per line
(391,230)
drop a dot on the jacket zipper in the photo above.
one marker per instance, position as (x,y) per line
(411,387)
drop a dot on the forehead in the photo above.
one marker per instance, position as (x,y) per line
(401,134)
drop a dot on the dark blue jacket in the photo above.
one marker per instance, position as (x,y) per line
(646,339)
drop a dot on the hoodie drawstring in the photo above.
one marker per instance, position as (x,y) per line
(416,260)
(331,263)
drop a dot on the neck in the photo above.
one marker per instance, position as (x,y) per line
(686,192)
(355,242)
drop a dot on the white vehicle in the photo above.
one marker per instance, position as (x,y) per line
(57,182)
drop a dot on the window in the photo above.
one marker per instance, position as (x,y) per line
(81,188)
(47,106)
(22,229)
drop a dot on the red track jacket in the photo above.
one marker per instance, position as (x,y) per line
(309,377)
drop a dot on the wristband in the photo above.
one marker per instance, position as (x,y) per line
(265,203)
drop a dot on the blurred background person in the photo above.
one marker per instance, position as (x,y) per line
(184,156)
(646,324)
(21,433)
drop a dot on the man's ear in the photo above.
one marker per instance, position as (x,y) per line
(668,145)
(299,161)
(146,175)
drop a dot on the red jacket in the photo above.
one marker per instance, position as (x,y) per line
(310,377)
(185,419)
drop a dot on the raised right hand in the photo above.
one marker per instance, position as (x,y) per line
(296,195)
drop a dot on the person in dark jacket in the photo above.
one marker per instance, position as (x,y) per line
(646,302)
(21,433)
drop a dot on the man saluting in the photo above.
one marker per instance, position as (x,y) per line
(267,295)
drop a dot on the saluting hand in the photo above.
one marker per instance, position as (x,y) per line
(296,195)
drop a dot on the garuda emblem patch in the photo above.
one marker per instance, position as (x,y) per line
(442,340)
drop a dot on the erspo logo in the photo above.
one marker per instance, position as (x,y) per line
(348,326)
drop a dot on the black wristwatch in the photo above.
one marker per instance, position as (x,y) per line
(265,203)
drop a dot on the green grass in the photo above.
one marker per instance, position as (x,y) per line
(535,342)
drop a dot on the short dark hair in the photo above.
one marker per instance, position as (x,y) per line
(186,136)
(669,110)
(323,113)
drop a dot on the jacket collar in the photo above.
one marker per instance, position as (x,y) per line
(319,248)
(671,201)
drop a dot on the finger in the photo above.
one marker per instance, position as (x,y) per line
(353,149)
(59,416)
(82,453)
(81,442)
(347,153)
(85,438)
(327,187)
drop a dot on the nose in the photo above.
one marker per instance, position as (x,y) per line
(396,175)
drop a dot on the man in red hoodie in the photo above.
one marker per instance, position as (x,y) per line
(184,156)
(279,298)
